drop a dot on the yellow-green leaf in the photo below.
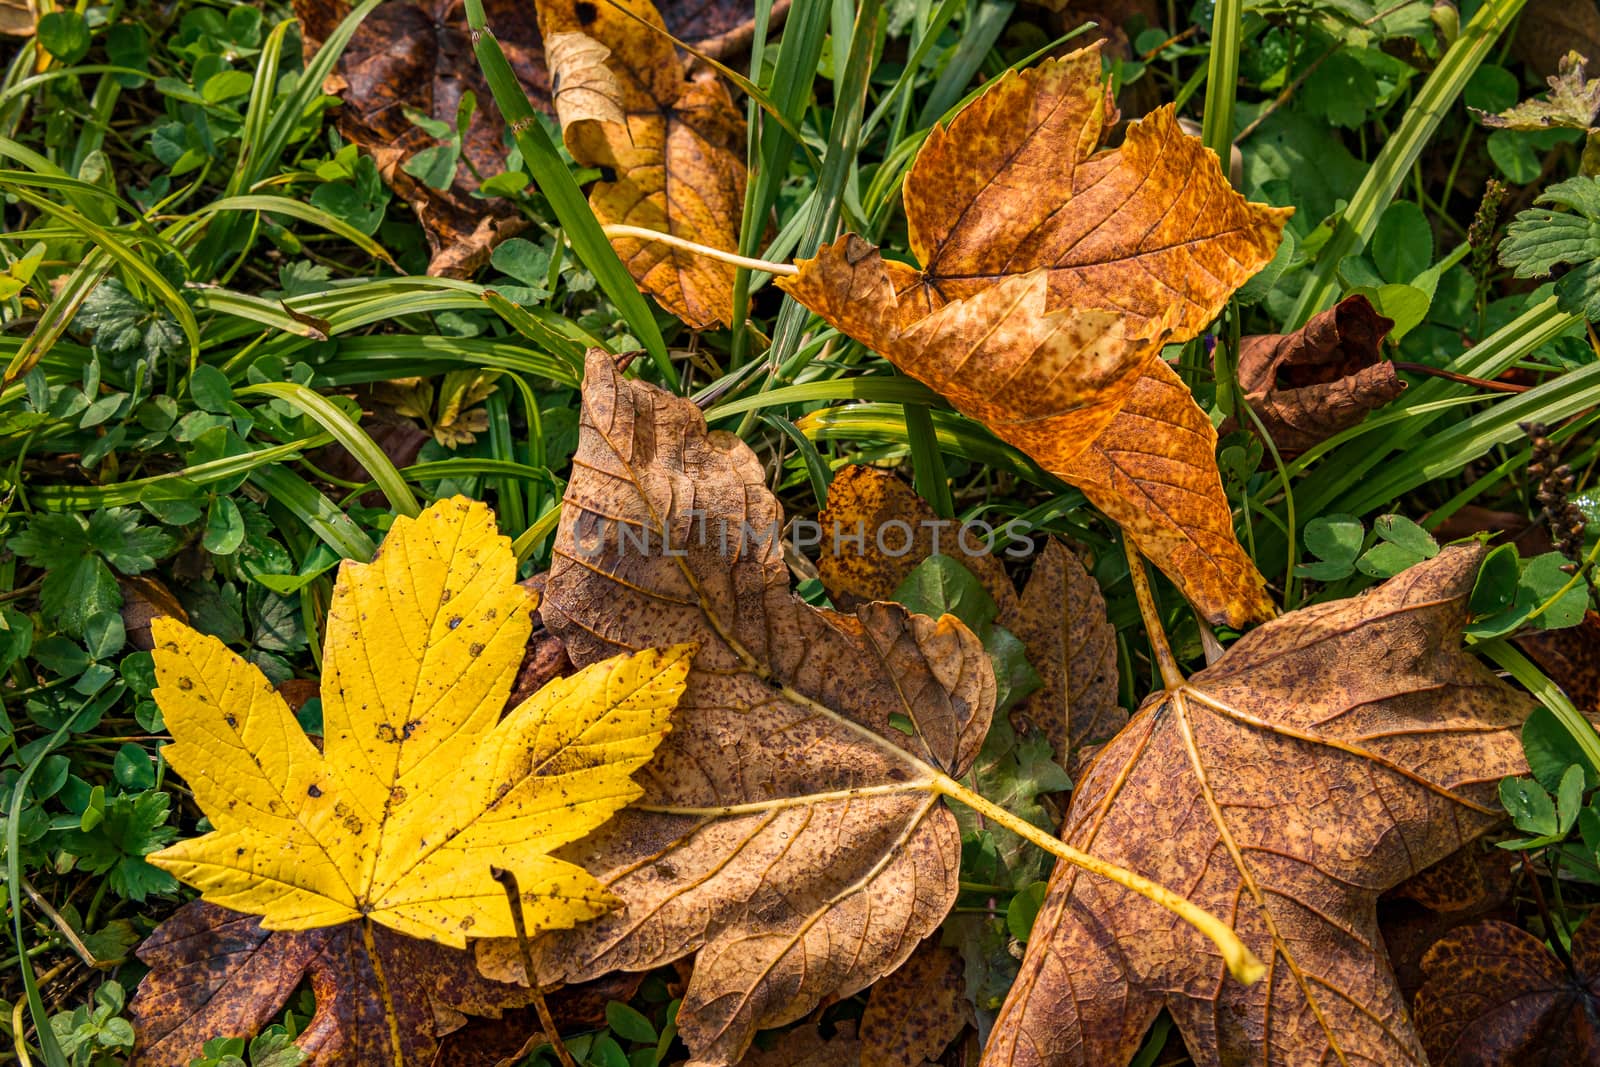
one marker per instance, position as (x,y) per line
(421,787)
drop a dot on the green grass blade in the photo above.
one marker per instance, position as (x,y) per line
(1222,78)
(344,430)
(331,526)
(550,173)
(1393,163)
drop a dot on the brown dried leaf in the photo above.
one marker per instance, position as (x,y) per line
(1071,644)
(787,835)
(17,18)
(1051,275)
(1154,471)
(145,598)
(1496,995)
(1329,755)
(1549,29)
(678,158)
(1573,103)
(856,566)
(217,972)
(804,1046)
(913,1014)
(1308,385)
(417,54)
(586,89)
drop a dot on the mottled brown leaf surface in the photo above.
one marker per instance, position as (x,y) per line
(1308,385)
(855,568)
(677,159)
(805,1046)
(913,1014)
(1154,471)
(417,54)
(1051,274)
(215,972)
(1496,995)
(1150,229)
(783,836)
(1329,755)
(1072,645)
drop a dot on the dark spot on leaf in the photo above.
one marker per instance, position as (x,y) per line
(186,683)
(231,721)
(586,13)
(455,620)
(476,649)
(314,791)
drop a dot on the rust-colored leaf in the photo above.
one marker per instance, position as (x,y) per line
(1496,995)
(1051,274)
(1154,471)
(144,599)
(913,1014)
(1326,757)
(876,529)
(215,972)
(417,55)
(786,835)
(676,161)
(1071,644)
(804,1046)
(1308,385)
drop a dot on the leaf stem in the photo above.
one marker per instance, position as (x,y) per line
(389,1015)
(1241,962)
(1171,677)
(618,229)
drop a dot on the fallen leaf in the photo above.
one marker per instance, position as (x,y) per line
(1471,884)
(1051,275)
(1326,757)
(1070,642)
(1154,472)
(676,160)
(417,55)
(1308,385)
(1549,29)
(1496,994)
(876,529)
(914,1013)
(144,599)
(215,972)
(586,89)
(506,1040)
(1573,102)
(17,18)
(787,834)
(420,787)
(804,1046)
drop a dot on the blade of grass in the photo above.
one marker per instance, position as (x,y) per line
(331,526)
(344,430)
(1394,162)
(1222,78)
(566,199)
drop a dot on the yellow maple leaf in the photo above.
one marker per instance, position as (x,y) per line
(421,787)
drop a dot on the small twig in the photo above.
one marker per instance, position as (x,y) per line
(1171,677)
(1460,379)
(1176,38)
(1294,86)
(61,924)
(508,881)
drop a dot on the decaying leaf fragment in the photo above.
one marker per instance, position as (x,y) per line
(672,140)
(1051,275)
(876,529)
(215,972)
(1308,385)
(1495,994)
(420,787)
(786,834)
(1324,758)
(1573,102)
(1062,622)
